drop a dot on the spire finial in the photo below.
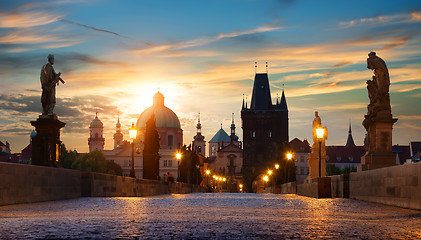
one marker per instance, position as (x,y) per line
(350,131)
(255,67)
(283,87)
(118,116)
(96,114)
(198,118)
(266,67)
(221,125)
(232,118)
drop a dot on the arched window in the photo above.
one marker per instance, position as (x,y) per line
(170,140)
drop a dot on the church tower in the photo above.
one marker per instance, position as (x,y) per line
(265,130)
(118,136)
(199,144)
(233,137)
(96,139)
(350,140)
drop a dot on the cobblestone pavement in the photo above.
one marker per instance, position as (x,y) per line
(208,216)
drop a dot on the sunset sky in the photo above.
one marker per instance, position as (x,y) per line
(114,55)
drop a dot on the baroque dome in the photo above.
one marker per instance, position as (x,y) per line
(96,123)
(165,117)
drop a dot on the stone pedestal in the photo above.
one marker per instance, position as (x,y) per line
(313,161)
(378,143)
(46,144)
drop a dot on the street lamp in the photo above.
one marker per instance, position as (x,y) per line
(270,172)
(178,156)
(320,132)
(133,134)
(207,178)
(289,158)
(276,166)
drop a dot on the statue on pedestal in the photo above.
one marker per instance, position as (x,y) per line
(49,79)
(378,122)
(313,157)
(46,144)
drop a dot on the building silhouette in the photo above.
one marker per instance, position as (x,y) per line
(199,143)
(265,130)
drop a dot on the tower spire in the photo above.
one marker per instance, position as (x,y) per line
(350,140)
(233,137)
(255,67)
(242,107)
(266,67)
(199,125)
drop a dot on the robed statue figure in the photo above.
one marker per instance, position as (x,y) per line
(49,79)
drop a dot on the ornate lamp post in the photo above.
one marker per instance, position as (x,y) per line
(178,156)
(320,132)
(133,134)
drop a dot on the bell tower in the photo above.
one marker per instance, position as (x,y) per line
(118,136)
(96,139)
(199,144)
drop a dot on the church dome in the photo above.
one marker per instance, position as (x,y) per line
(165,117)
(33,134)
(96,123)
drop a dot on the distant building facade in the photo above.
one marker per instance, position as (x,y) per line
(226,156)
(406,154)
(170,135)
(345,156)
(5,148)
(300,150)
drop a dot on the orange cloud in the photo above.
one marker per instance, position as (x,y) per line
(25,19)
(396,18)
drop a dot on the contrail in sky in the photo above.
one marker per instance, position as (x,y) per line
(114,33)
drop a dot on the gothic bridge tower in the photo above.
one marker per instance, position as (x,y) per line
(265,131)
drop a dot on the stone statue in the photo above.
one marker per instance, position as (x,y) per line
(49,79)
(313,157)
(378,88)
(317,123)
(378,121)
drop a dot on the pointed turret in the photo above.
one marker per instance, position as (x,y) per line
(350,140)
(261,99)
(283,104)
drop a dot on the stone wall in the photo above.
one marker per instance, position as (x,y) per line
(289,188)
(340,186)
(106,185)
(316,187)
(398,185)
(20,183)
